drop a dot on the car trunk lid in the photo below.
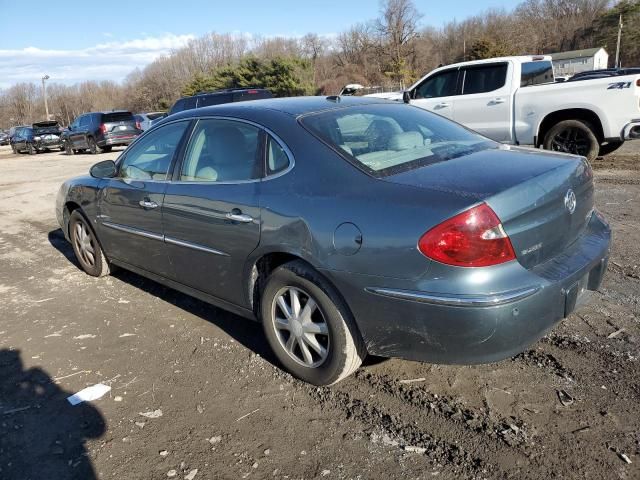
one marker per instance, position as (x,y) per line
(119,123)
(530,191)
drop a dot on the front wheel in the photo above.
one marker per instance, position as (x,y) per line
(31,149)
(86,246)
(573,136)
(308,326)
(14,149)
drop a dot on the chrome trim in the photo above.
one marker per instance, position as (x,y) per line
(194,246)
(626,131)
(490,300)
(134,231)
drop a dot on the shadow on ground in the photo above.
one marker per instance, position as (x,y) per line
(244,331)
(41,435)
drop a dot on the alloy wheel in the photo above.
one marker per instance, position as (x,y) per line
(571,140)
(84,244)
(300,326)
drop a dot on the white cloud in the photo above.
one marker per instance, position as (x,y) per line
(111,60)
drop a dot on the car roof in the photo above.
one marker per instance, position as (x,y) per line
(294,106)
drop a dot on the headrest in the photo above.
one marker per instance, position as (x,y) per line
(406,140)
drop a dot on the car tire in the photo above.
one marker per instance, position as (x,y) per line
(92,146)
(326,345)
(106,148)
(14,149)
(31,150)
(573,136)
(86,246)
(67,148)
(609,147)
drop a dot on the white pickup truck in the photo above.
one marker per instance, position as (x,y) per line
(515,100)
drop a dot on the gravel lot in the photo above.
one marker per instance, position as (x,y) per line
(567,408)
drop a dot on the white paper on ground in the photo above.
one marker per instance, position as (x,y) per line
(93,392)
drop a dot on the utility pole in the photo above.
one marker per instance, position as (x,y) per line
(617,65)
(44,94)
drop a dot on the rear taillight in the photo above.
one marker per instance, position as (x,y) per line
(474,238)
(103,128)
(138,126)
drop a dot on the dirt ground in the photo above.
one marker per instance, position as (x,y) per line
(569,407)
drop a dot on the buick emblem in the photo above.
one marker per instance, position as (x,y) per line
(570,201)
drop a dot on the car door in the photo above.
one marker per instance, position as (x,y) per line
(211,214)
(18,139)
(485,103)
(83,129)
(437,93)
(130,204)
(73,132)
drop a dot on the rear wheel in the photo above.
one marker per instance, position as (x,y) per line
(67,147)
(93,148)
(106,148)
(573,136)
(308,326)
(14,149)
(86,246)
(610,147)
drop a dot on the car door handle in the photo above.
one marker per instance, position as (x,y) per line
(239,217)
(497,101)
(146,203)
(443,105)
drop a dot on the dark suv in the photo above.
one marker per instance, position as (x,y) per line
(100,131)
(206,99)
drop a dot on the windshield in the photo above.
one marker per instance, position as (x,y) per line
(388,139)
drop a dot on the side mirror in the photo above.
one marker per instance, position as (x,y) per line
(104,169)
(406,96)
(69,128)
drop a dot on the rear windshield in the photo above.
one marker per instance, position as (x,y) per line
(46,128)
(117,117)
(389,139)
(536,73)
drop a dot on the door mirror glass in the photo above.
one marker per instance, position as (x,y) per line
(406,96)
(104,169)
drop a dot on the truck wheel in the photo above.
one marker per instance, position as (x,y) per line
(308,326)
(610,147)
(573,136)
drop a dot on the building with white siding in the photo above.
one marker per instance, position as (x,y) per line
(574,61)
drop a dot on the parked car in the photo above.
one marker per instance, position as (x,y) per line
(515,100)
(47,136)
(100,131)
(22,140)
(147,120)
(348,226)
(4,138)
(207,99)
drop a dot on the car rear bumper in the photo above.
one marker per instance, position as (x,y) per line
(415,324)
(115,140)
(631,130)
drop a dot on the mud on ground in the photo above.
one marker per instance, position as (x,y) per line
(566,408)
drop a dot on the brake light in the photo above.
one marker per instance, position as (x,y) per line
(252,92)
(474,238)
(103,128)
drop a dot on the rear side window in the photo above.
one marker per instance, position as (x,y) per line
(208,100)
(484,79)
(277,159)
(536,73)
(117,117)
(441,84)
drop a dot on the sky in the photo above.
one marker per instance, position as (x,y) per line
(72,40)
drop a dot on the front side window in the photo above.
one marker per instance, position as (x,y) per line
(150,157)
(442,84)
(222,151)
(486,78)
(388,139)
(85,121)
